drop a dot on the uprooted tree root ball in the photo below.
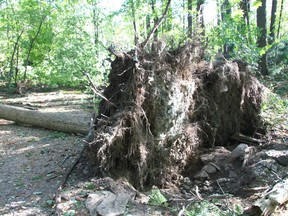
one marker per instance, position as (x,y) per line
(163,107)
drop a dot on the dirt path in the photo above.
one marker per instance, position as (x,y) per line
(33,161)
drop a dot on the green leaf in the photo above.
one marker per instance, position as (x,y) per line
(157,198)
(257,3)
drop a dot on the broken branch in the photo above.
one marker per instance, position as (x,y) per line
(156,25)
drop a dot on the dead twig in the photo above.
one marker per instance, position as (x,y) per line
(95,90)
(63,182)
(227,201)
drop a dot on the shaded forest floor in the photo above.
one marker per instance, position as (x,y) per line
(34,161)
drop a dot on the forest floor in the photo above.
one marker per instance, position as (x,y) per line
(34,161)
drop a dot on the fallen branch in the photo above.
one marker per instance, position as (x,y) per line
(58,196)
(246,139)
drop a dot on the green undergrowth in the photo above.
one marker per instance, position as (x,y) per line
(195,207)
(274,110)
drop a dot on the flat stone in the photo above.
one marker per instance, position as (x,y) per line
(201,175)
(106,203)
(280,156)
(207,158)
(113,205)
(209,168)
(94,199)
(223,180)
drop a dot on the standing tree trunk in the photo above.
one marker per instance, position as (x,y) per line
(200,17)
(262,37)
(96,24)
(32,41)
(12,57)
(245,7)
(133,11)
(280,19)
(273,22)
(148,24)
(226,15)
(189,18)
(155,19)
(167,23)
(16,66)
(218,12)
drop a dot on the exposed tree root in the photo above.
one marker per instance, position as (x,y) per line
(168,103)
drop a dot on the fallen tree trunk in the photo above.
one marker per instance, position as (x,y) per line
(70,123)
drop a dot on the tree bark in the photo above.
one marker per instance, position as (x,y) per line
(261,41)
(280,19)
(53,121)
(273,22)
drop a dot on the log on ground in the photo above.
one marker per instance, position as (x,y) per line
(65,122)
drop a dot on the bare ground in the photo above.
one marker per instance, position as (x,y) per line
(33,161)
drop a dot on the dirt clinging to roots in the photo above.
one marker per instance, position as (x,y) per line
(163,106)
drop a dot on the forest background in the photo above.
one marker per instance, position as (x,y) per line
(53,42)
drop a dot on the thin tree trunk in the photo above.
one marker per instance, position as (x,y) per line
(184,16)
(218,12)
(134,23)
(155,18)
(245,7)
(200,18)
(273,22)
(17,66)
(225,15)
(96,24)
(167,24)
(280,19)
(148,24)
(12,57)
(262,38)
(156,25)
(189,18)
(32,44)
